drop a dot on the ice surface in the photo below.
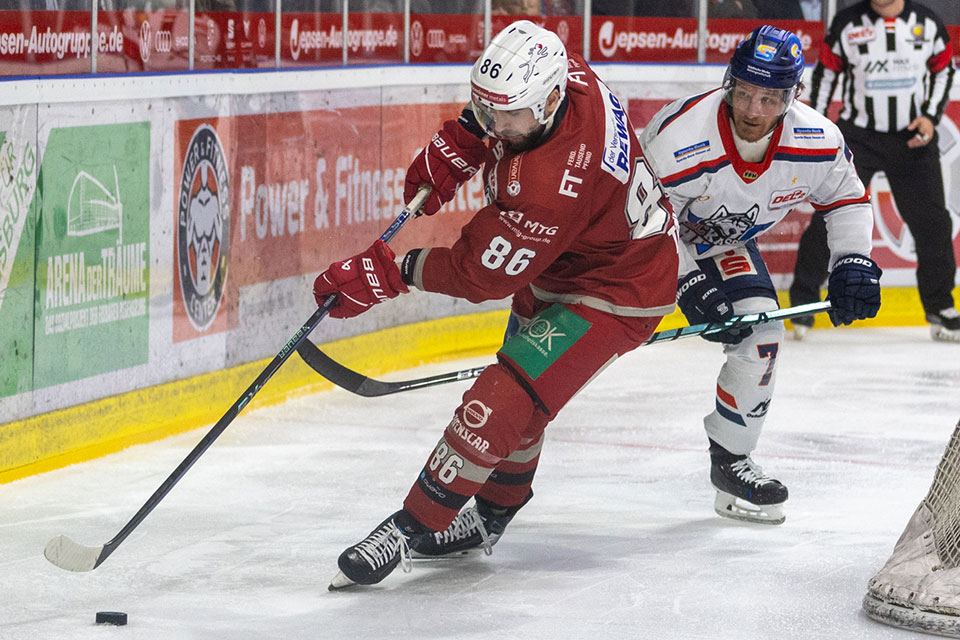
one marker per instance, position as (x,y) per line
(620,542)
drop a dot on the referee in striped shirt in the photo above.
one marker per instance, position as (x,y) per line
(895,60)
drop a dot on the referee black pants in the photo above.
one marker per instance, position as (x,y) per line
(916,183)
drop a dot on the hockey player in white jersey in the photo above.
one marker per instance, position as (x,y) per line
(735,161)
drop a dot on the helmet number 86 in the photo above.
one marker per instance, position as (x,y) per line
(491,69)
(496,254)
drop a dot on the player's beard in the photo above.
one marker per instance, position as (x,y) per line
(528,142)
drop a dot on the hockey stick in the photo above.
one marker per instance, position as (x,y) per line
(369,388)
(72,556)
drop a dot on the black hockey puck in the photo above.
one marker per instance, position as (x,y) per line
(118,618)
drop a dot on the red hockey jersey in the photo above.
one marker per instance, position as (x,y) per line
(580,219)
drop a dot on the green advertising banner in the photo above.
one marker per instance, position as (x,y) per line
(18,182)
(92,261)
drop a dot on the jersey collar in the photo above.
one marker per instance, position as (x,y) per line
(748,171)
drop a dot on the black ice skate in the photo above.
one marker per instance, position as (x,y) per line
(477,526)
(945,325)
(376,556)
(744,492)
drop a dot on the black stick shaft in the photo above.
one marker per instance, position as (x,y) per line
(289,348)
(367,387)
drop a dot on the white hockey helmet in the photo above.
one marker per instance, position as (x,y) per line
(519,69)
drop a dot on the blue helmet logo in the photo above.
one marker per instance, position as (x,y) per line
(769,57)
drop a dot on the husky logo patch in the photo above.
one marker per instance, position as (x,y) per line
(723,227)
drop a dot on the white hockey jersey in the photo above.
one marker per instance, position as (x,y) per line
(723,201)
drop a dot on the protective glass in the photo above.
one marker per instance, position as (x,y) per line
(755,100)
(506,124)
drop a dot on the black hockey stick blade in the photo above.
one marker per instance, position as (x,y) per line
(368,387)
(72,556)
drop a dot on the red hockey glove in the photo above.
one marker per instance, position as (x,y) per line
(452,157)
(360,282)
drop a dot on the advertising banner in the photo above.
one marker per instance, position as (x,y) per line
(459,37)
(45,42)
(152,40)
(311,39)
(19,168)
(317,39)
(202,224)
(234,40)
(93,252)
(270,196)
(440,37)
(641,39)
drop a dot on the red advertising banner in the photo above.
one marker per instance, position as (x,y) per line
(204,298)
(234,40)
(269,196)
(152,41)
(437,38)
(45,42)
(640,39)
(311,39)
(375,38)
(58,42)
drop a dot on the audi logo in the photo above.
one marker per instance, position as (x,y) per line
(436,38)
(163,41)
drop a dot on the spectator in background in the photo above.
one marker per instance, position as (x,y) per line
(651,8)
(531,7)
(745,9)
(889,124)
(779,10)
(515,7)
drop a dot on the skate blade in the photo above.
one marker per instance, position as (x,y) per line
(340,581)
(942,334)
(455,555)
(730,506)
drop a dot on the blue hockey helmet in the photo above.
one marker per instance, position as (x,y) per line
(769,57)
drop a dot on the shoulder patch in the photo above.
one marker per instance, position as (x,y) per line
(693,150)
(808,133)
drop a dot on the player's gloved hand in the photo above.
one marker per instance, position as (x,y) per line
(702,301)
(362,281)
(853,289)
(452,157)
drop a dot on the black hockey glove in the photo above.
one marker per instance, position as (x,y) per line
(702,301)
(853,289)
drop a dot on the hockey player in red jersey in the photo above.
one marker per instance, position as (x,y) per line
(575,229)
